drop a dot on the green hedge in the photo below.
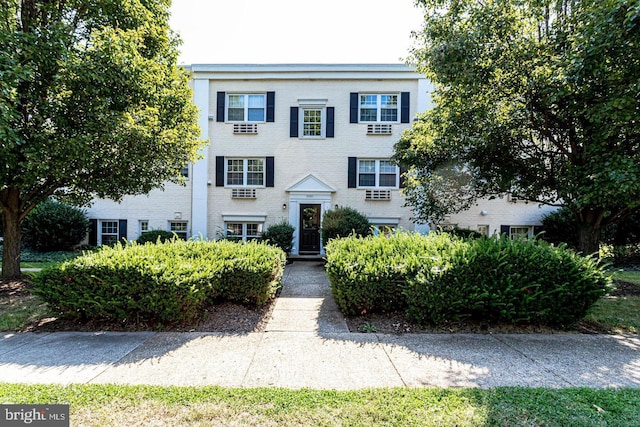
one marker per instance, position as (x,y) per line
(369,274)
(166,282)
(440,278)
(504,280)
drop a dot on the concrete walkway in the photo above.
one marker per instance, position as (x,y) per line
(307,344)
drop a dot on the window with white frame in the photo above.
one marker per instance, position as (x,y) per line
(377,173)
(520,232)
(244,172)
(180,228)
(108,232)
(379,107)
(246,107)
(483,229)
(143,226)
(312,122)
(243,231)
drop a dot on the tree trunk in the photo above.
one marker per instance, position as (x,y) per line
(12,237)
(589,238)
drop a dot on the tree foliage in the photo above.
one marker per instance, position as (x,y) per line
(540,98)
(92,103)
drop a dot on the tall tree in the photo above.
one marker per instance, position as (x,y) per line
(92,103)
(536,97)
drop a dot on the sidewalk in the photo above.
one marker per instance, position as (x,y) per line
(307,344)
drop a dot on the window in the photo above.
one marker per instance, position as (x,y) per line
(243,231)
(245,172)
(483,230)
(378,108)
(312,122)
(143,226)
(520,232)
(180,228)
(108,232)
(246,108)
(377,173)
(184,170)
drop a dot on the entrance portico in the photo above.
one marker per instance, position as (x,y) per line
(309,199)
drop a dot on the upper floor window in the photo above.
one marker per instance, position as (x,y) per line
(245,172)
(312,122)
(246,108)
(377,173)
(378,108)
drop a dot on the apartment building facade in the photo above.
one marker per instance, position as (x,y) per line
(288,143)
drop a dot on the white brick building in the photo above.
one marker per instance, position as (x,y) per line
(288,143)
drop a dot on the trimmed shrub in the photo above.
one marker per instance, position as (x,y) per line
(504,280)
(441,278)
(343,222)
(165,282)
(280,235)
(155,236)
(54,226)
(369,274)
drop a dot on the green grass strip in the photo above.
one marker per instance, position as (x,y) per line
(116,405)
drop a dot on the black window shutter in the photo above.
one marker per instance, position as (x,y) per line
(270,172)
(352,171)
(537,229)
(122,229)
(271,106)
(403,178)
(93,232)
(505,229)
(353,108)
(220,107)
(330,122)
(219,171)
(293,123)
(404,107)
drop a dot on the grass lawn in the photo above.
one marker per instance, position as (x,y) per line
(111,405)
(630,276)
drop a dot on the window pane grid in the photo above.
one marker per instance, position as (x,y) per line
(245,172)
(250,108)
(377,173)
(379,108)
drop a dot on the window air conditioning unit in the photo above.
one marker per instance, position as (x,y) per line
(245,128)
(243,193)
(379,129)
(378,195)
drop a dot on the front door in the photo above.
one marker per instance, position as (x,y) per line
(309,229)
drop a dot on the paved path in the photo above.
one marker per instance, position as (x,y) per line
(307,344)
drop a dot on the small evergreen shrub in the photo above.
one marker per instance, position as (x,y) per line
(54,226)
(165,282)
(503,280)
(343,222)
(155,236)
(280,235)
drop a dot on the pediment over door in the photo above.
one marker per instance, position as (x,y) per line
(311,184)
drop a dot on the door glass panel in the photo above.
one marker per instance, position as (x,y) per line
(310,217)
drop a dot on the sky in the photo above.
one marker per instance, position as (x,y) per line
(295,31)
